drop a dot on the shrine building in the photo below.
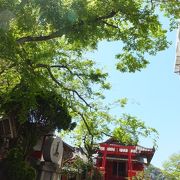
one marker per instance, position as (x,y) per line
(119,162)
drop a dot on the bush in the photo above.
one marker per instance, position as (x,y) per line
(17,168)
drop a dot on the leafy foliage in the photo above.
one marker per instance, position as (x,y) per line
(89,131)
(151,173)
(17,168)
(170,170)
(129,129)
(81,168)
(42,44)
(39,107)
(172,167)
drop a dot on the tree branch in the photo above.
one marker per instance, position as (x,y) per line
(59,33)
(112,25)
(86,124)
(38,38)
(72,73)
(60,84)
(62,66)
(107,134)
(110,15)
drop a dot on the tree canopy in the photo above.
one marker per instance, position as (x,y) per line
(172,167)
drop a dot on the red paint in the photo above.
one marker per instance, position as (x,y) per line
(118,162)
(37,155)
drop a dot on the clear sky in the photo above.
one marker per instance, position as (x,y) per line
(153,93)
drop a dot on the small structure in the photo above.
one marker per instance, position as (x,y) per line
(54,159)
(177,61)
(119,162)
(51,153)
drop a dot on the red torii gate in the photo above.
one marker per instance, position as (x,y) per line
(117,161)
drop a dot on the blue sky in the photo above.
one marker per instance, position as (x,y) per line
(153,94)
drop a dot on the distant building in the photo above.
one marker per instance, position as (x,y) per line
(177,62)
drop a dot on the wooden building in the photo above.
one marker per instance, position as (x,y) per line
(119,162)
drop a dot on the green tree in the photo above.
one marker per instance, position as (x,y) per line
(97,125)
(170,171)
(172,167)
(129,130)
(151,173)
